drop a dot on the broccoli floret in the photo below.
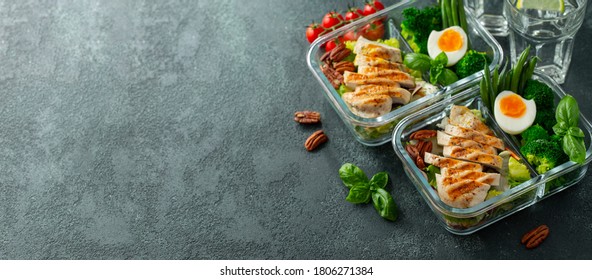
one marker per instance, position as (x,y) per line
(546,119)
(418,24)
(534,132)
(543,154)
(556,138)
(541,93)
(472,62)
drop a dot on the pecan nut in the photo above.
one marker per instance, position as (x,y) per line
(422,134)
(343,66)
(535,237)
(314,140)
(339,53)
(419,162)
(334,77)
(307,117)
(412,151)
(325,56)
(423,147)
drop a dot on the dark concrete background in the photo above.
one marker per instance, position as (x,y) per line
(163,130)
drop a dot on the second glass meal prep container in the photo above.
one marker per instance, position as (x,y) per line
(540,186)
(377,131)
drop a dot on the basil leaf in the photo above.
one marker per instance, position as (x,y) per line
(560,128)
(447,77)
(567,111)
(435,72)
(359,194)
(574,148)
(417,61)
(440,59)
(379,180)
(384,204)
(352,175)
(575,132)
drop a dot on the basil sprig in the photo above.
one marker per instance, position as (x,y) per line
(362,190)
(567,115)
(437,67)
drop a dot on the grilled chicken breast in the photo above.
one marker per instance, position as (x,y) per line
(474,135)
(443,162)
(362,60)
(368,105)
(448,140)
(377,50)
(492,179)
(394,77)
(463,117)
(461,193)
(399,95)
(474,155)
(404,79)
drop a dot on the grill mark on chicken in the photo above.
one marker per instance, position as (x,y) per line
(473,155)
(362,60)
(444,162)
(474,135)
(463,117)
(449,140)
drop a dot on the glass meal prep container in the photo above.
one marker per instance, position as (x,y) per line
(540,186)
(377,131)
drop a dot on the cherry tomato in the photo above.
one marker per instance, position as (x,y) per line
(313,31)
(351,36)
(373,31)
(372,7)
(331,19)
(353,13)
(332,44)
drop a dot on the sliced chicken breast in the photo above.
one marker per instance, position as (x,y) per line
(461,193)
(394,77)
(473,155)
(362,60)
(448,140)
(463,117)
(373,49)
(353,80)
(492,179)
(399,95)
(404,79)
(474,135)
(443,162)
(368,106)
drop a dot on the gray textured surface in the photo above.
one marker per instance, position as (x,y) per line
(153,130)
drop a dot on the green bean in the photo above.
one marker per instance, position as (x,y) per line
(444,14)
(502,78)
(462,17)
(527,73)
(508,81)
(448,12)
(454,12)
(495,79)
(518,69)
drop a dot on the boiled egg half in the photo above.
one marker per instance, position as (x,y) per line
(513,113)
(452,41)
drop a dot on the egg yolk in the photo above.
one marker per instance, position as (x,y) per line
(450,41)
(512,106)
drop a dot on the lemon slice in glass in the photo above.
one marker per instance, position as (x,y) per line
(545,5)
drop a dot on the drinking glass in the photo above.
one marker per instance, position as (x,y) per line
(490,14)
(550,34)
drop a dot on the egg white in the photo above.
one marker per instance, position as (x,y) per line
(454,56)
(513,125)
